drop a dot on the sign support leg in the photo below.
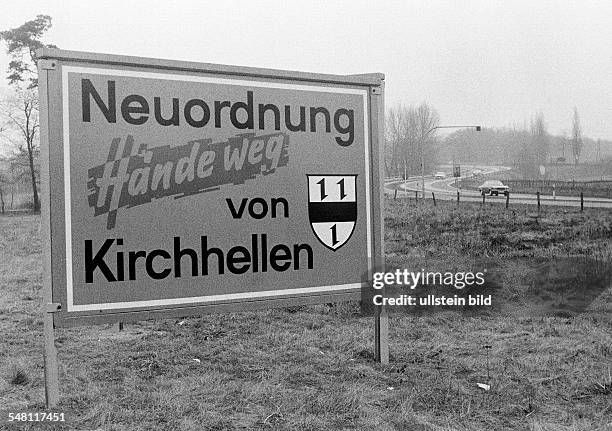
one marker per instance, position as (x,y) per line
(381,318)
(46,70)
(381,335)
(50,362)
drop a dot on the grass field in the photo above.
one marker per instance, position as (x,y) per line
(545,347)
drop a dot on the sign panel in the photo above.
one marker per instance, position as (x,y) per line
(177,188)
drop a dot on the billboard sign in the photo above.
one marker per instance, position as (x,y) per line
(175,188)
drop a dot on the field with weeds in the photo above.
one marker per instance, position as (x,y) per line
(544,348)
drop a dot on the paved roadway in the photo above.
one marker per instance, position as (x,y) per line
(444,190)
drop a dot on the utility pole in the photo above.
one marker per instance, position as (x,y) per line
(598,150)
(422,172)
(405,178)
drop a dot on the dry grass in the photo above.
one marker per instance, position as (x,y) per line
(312,368)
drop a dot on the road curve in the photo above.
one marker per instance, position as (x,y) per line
(444,190)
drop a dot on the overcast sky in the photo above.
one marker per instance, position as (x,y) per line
(494,63)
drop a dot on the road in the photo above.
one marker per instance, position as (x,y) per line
(444,190)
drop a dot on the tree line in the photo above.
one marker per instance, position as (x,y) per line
(412,145)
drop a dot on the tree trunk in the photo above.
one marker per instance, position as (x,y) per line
(33,176)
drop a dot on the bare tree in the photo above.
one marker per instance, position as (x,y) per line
(3,182)
(564,141)
(534,147)
(426,119)
(576,137)
(13,172)
(394,137)
(540,139)
(20,117)
(410,140)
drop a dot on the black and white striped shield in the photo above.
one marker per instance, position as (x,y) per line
(332,208)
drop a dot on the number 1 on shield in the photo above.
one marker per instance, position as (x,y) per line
(341,184)
(334,235)
(322,184)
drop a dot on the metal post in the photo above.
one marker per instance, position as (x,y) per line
(434,198)
(581,201)
(405,178)
(422,173)
(457,197)
(453,161)
(483,198)
(507,199)
(382,335)
(538,194)
(381,319)
(49,351)
(50,359)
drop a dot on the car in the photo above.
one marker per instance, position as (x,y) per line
(440,175)
(493,188)
(476,172)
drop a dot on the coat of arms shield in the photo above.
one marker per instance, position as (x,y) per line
(332,208)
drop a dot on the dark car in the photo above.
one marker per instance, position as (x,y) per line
(493,188)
